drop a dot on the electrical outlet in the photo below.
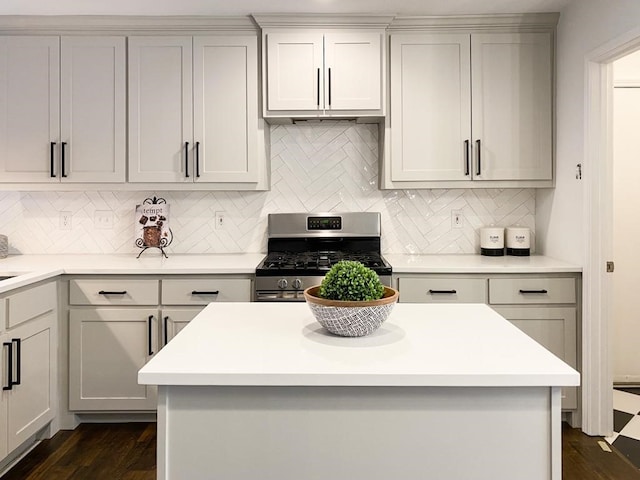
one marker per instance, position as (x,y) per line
(457,219)
(103,219)
(65,221)
(221,220)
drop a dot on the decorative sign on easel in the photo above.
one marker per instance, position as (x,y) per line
(152,225)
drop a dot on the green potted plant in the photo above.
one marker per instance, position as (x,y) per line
(351,301)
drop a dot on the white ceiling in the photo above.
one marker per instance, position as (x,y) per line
(245,7)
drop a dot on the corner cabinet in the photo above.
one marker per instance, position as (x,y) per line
(28,399)
(470,109)
(193,111)
(323,73)
(62,112)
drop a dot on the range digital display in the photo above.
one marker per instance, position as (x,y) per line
(324,223)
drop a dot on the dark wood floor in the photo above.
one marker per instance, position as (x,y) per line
(127,451)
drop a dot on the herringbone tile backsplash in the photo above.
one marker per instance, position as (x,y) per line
(331,166)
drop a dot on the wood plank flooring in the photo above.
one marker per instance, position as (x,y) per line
(128,452)
(125,451)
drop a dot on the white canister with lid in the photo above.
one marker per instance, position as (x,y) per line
(518,240)
(492,241)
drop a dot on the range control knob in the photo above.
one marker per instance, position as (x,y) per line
(282,283)
(297,284)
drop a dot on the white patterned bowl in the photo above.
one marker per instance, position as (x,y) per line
(349,318)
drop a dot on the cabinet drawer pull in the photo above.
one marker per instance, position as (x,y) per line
(63,172)
(318,92)
(466,157)
(107,292)
(18,360)
(199,292)
(533,291)
(197,159)
(166,326)
(150,333)
(186,159)
(9,385)
(329,87)
(449,292)
(53,170)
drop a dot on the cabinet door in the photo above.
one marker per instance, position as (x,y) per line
(107,347)
(555,329)
(93,122)
(31,403)
(160,109)
(511,105)
(175,319)
(5,340)
(353,71)
(294,71)
(226,109)
(430,107)
(29,108)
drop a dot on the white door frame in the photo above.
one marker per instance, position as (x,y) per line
(597,376)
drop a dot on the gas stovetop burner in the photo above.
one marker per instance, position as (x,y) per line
(317,261)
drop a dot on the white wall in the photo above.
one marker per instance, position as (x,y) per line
(584,26)
(626,219)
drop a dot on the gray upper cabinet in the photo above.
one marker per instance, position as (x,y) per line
(470,109)
(193,110)
(326,73)
(62,119)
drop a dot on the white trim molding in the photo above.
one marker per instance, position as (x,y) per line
(597,377)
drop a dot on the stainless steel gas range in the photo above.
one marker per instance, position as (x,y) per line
(302,247)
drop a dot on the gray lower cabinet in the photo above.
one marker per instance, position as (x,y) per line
(544,306)
(28,364)
(118,323)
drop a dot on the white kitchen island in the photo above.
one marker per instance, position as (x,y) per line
(252,391)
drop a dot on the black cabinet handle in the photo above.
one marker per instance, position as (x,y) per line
(478,167)
(52,156)
(62,166)
(18,343)
(197,159)
(329,86)
(106,292)
(466,157)
(186,159)
(149,331)
(449,292)
(318,91)
(200,292)
(533,291)
(166,332)
(9,385)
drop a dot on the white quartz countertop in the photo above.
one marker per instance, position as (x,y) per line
(402,263)
(29,269)
(281,344)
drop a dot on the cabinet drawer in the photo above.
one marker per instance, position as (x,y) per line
(203,291)
(532,290)
(31,303)
(113,292)
(442,290)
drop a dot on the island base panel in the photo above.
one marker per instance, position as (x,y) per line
(342,433)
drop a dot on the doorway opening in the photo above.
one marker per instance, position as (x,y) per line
(597,362)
